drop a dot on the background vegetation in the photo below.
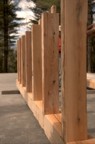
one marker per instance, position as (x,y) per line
(8,30)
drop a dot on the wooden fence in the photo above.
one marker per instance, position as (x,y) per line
(37,63)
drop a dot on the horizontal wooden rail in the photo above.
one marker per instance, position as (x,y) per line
(91,80)
(90,141)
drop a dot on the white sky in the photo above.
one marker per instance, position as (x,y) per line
(24,4)
(25,13)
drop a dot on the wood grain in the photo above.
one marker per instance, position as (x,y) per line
(50,23)
(36,63)
(28,61)
(74,26)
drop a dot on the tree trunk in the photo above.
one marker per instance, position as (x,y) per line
(5,36)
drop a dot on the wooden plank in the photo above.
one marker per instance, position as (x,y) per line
(90,141)
(53,9)
(21,57)
(28,63)
(35,106)
(58,117)
(36,63)
(50,23)
(39,22)
(53,129)
(20,60)
(91,84)
(91,80)
(38,113)
(23,61)
(49,123)
(74,26)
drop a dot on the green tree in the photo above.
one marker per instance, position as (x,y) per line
(12,59)
(8,23)
(46,4)
(91,39)
(43,5)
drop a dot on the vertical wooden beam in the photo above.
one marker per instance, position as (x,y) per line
(53,9)
(23,60)
(20,60)
(28,62)
(24,57)
(39,22)
(74,26)
(36,63)
(50,24)
(21,57)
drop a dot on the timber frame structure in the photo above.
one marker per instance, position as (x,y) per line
(37,64)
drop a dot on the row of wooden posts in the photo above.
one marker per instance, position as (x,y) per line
(37,61)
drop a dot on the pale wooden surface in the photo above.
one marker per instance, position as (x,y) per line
(17,59)
(28,61)
(20,60)
(91,80)
(74,21)
(50,23)
(23,60)
(90,141)
(91,76)
(52,123)
(36,63)
(53,9)
(49,123)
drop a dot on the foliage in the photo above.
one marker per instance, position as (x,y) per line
(91,39)
(43,5)
(8,30)
(12,60)
(46,4)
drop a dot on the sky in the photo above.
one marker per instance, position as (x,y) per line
(25,13)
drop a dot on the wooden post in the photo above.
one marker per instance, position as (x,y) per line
(36,63)
(28,63)
(74,27)
(39,22)
(53,9)
(20,60)
(23,60)
(50,24)
(21,57)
